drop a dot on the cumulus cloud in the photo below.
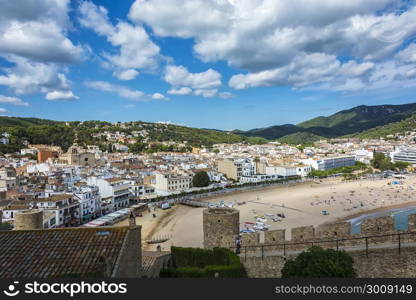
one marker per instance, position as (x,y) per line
(61,95)
(123,91)
(180,91)
(136,50)
(3,111)
(27,77)
(269,39)
(180,76)
(203,84)
(159,96)
(37,31)
(13,101)
(128,74)
(407,55)
(33,39)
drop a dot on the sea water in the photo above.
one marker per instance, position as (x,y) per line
(400,216)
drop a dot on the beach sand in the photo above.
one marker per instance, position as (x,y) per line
(302,204)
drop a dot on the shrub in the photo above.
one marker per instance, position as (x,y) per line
(317,262)
(196,262)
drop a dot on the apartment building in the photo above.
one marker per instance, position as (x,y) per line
(167,182)
(326,163)
(90,202)
(64,206)
(234,169)
(283,171)
(404,154)
(114,190)
(139,190)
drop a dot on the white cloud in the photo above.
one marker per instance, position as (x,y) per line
(61,95)
(180,76)
(136,50)
(3,111)
(180,91)
(27,77)
(206,93)
(159,96)
(226,95)
(13,101)
(268,39)
(123,91)
(407,55)
(36,30)
(128,74)
(203,84)
(33,39)
(411,73)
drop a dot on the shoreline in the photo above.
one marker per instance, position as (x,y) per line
(301,202)
(374,210)
(260,189)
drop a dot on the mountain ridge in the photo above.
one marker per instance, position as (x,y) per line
(360,121)
(342,123)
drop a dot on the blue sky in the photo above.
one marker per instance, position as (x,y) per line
(212,64)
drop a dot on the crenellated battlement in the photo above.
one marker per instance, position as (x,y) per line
(339,232)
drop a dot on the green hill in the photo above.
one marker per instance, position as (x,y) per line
(351,121)
(408,124)
(271,132)
(300,138)
(16,121)
(39,131)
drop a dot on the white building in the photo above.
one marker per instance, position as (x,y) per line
(259,178)
(405,154)
(26,151)
(4,138)
(327,163)
(121,148)
(90,202)
(284,171)
(139,190)
(364,156)
(303,170)
(63,206)
(172,182)
(113,190)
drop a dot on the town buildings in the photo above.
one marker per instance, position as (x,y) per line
(115,189)
(170,182)
(404,154)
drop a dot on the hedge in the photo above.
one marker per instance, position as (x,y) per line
(196,262)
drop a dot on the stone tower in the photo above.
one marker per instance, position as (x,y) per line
(28,219)
(221,227)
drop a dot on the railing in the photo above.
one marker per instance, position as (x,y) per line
(348,244)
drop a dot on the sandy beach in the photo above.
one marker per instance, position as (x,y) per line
(302,205)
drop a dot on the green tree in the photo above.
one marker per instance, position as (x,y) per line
(401,165)
(137,147)
(381,162)
(200,179)
(317,262)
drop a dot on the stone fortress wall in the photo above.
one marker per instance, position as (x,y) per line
(374,255)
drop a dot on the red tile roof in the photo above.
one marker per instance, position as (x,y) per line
(51,253)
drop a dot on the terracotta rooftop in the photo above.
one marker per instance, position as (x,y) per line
(114,179)
(55,253)
(55,198)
